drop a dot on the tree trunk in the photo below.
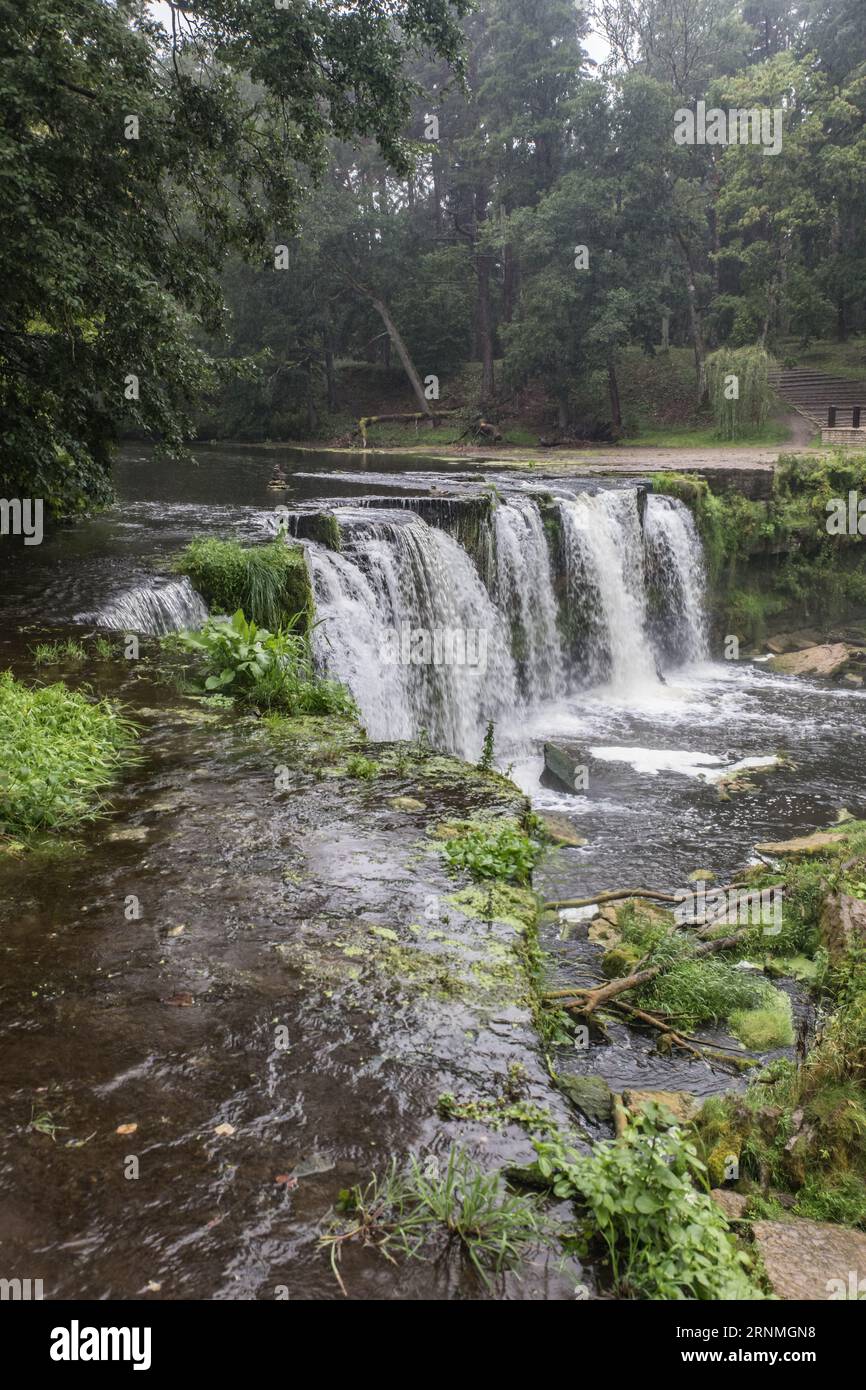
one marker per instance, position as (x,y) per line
(613,393)
(695,321)
(483,315)
(330,374)
(666,332)
(402,352)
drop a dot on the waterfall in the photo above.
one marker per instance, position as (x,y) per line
(411,629)
(581,591)
(675,581)
(154,609)
(606,598)
(525,593)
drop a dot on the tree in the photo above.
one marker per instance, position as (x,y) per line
(135,161)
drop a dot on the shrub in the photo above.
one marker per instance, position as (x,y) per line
(59,750)
(270,583)
(272,671)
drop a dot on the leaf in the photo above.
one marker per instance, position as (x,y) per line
(126,1129)
(224,1129)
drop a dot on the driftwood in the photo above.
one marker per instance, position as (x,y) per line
(612,896)
(417,416)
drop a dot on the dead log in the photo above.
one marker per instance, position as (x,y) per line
(588,1000)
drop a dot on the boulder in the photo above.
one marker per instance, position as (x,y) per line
(682,1104)
(560,830)
(733,1204)
(591,1095)
(562,765)
(826,661)
(842,923)
(810,1260)
(802,845)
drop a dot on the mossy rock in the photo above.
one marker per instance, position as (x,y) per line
(591,1095)
(620,960)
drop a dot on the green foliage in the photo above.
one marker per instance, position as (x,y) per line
(365,769)
(112,246)
(68,652)
(663,1238)
(744,370)
(423,1211)
(269,582)
(497,849)
(272,671)
(60,751)
(485,762)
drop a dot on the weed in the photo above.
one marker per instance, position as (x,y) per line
(499,850)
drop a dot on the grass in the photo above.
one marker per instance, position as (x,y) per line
(60,750)
(270,583)
(68,653)
(423,1211)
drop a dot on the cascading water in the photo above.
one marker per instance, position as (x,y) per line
(675,581)
(593,597)
(410,627)
(153,609)
(603,548)
(524,591)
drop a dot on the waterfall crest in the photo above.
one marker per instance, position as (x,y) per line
(154,609)
(579,591)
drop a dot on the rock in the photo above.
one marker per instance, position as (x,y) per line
(136,833)
(682,1104)
(619,961)
(407,803)
(825,661)
(733,1204)
(702,876)
(798,641)
(591,1095)
(802,844)
(603,932)
(851,680)
(562,765)
(809,1259)
(842,923)
(560,830)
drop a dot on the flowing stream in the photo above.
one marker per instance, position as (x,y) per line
(565,612)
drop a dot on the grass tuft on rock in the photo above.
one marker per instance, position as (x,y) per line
(270,583)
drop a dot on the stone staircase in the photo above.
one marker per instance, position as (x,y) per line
(812,393)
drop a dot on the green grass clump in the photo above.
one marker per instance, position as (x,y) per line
(59,750)
(765,1027)
(496,850)
(424,1211)
(270,583)
(69,653)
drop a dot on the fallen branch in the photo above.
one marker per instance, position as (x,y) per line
(611,896)
(588,1000)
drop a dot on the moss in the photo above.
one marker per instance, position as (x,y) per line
(498,902)
(765,1028)
(620,960)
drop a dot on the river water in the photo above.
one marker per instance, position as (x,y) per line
(586,596)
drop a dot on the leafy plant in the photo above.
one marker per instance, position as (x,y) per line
(497,850)
(485,762)
(53,653)
(59,750)
(663,1238)
(269,670)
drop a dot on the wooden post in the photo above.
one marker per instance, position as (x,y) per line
(855,418)
(831,417)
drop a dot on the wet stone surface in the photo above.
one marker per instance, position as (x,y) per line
(319,917)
